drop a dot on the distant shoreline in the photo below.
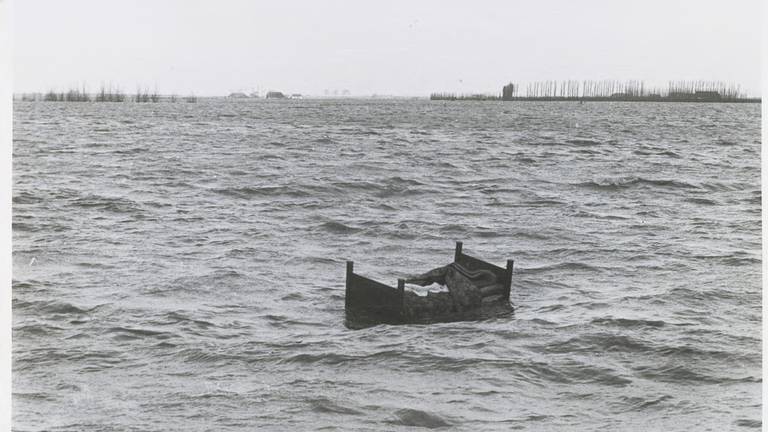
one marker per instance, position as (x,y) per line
(39,97)
(598,99)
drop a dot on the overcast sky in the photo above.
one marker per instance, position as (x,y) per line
(383,47)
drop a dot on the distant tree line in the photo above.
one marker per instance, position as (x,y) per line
(106,93)
(630,89)
(73,95)
(455,96)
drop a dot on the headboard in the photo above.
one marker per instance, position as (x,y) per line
(471,263)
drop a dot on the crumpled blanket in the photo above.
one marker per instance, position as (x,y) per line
(464,290)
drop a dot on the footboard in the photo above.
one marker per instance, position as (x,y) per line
(366,299)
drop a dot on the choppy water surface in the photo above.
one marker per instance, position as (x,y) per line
(181,266)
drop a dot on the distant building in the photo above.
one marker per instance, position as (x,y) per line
(296,96)
(508,92)
(275,95)
(237,95)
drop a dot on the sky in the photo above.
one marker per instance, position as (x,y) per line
(395,47)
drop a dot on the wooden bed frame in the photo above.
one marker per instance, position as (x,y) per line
(375,302)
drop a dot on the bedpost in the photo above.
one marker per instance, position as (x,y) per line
(350,270)
(508,282)
(457,254)
(401,293)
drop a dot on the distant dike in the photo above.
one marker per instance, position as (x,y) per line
(610,91)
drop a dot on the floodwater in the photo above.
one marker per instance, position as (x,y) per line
(181,266)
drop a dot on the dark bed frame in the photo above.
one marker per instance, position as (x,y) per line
(375,302)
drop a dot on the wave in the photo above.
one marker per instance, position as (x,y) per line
(529,371)
(530,235)
(28,330)
(720,186)
(264,191)
(294,296)
(686,374)
(669,153)
(110,204)
(133,150)
(454,229)
(628,323)
(417,418)
(368,132)
(750,423)
(36,397)
(21,226)
(567,266)
(138,333)
(29,285)
(691,352)
(630,182)
(51,307)
(734,261)
(634,403)
(398,186)
(26,198)
(177,317)
(598,342)
(583,142)
(325,405)
(702,201)
(337,228)
(594,215)
(212,356)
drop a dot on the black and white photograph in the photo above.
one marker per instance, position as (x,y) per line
(345,215)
